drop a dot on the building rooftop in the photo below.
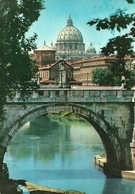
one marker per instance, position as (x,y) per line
(45,48)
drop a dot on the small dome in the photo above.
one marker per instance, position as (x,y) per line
(91,49)
(70,33)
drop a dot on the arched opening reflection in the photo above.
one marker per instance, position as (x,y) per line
(56,152)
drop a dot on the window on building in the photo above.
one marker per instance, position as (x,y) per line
(46,58)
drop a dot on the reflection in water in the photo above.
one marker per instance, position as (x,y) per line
(58,153)
(119,186)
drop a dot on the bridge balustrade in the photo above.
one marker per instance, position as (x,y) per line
(93,94)
(83,93)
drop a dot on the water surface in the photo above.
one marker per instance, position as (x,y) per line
(58,153)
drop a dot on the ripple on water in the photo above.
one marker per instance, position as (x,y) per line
(35,137)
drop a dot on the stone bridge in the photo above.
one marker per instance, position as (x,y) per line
(109,111)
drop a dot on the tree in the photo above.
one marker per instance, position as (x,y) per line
(17,68)
(121,45)
(104,77)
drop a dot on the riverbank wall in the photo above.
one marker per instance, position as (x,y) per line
(101,162)
(36,189)
(11,186)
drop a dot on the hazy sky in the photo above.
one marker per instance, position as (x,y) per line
(54,18)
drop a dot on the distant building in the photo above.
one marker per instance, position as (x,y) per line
(59,73)
(44,55)
(83,68)
(77,72)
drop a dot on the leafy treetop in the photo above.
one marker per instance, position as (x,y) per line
(17,68)
(121,45)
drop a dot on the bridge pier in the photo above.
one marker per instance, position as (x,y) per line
(2,153)
(132,146)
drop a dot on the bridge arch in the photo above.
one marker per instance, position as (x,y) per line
(113,146)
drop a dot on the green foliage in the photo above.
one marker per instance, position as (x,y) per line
(17,68)
(56,82)
(102,77)
(129,83)
(119,20)
(130,1)
(121,45)
(103,154)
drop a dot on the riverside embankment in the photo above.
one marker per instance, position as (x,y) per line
(101,162)
(11,186)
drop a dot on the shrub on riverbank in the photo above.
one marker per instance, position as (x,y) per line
(103,154)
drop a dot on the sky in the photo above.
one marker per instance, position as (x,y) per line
(54,18)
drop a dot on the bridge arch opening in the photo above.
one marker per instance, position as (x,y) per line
(109,136)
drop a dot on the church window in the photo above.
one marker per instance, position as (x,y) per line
(46,58)
(70,46)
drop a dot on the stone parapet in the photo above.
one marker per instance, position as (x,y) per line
(78,95)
